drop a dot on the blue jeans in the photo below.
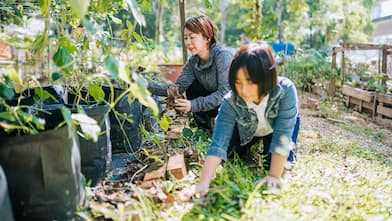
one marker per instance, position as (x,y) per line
(292,157)
(242,151)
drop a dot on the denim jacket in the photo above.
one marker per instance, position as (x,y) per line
(281,113)
(213,76)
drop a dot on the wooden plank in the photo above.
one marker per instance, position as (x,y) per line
(384,98)
(359,102)
(385,111)
(385,122)
(364,46)
(366,96)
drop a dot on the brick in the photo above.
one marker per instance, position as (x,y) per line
(176,166)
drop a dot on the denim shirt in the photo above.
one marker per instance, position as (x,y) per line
(281,113)
(213,76)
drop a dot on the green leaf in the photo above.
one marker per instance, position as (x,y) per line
(67,116)
(115,20)
(6,92)
(40,43)
(67,44)
(44,7)
(97,93)
(42,94)
(164,122)
(63,59)
(88,25)
(88,125)
(208,3)
(111,64)
(56,76)
(138,37)
(79,8)
(7,116)
(140,92)
(187,132)
(139,17)
(39,122)
(17,81)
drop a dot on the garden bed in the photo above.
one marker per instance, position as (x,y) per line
(359,98)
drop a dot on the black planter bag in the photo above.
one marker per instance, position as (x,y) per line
(44,174)
(97,157)
(5,204)
(126,136)
(28,100)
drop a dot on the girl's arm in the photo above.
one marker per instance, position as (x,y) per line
(207,173)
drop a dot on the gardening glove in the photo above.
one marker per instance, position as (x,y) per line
(273,184)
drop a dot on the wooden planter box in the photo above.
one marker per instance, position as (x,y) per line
(360,98)
(384,107)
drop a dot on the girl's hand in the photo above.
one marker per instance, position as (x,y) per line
(186,193)
(182,105)
(273,184)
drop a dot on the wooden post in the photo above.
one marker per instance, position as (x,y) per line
(342,67)
(384,67)
(332,86)
(182,18)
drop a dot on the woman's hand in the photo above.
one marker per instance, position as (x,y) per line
(186,193)
(183,105)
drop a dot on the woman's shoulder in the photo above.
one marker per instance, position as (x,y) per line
(285,82)
(219,50)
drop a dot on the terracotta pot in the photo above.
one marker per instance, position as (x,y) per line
(170,71)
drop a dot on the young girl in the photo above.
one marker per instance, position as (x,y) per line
(261,106)
(204,77)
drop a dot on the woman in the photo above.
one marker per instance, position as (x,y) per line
(204,77)
(261,106)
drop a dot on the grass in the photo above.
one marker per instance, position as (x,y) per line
(334,179)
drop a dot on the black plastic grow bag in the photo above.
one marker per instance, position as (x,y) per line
(44,174)
(97,156)
(5,204)
(126,136)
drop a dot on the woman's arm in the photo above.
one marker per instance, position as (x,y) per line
(184,80)
(222,61)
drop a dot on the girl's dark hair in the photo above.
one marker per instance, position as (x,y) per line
(202,24)
(258,61)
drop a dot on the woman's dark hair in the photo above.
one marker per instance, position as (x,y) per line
(258,61)
(202,24)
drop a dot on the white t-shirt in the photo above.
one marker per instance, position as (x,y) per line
(263,127)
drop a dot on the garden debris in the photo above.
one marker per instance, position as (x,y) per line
(180,119)
(310,103)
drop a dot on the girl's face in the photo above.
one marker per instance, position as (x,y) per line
(245,88)
(195,42)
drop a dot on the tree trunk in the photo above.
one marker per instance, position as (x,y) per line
(223,8)
(159,22)
(279,15)
(182,17)
(258,19)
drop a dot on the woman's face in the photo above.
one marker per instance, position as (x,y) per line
(195,42)
(245,88)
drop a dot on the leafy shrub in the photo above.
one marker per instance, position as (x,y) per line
(306,66)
